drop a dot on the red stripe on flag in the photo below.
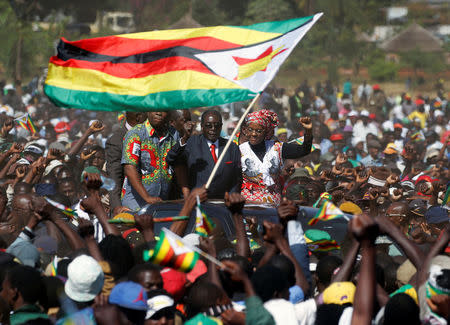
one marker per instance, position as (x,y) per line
(136,70)
(121,46)
(168,257)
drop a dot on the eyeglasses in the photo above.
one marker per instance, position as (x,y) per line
(211,125)
(258,131)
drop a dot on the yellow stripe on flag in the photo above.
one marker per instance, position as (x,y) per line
(163,251)
(96,81)
(230,34)
(187,261)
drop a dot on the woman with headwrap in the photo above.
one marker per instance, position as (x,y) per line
(262,158)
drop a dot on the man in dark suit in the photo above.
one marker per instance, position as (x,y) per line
(113,149)
(199,153)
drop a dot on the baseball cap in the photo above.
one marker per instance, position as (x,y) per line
(418,207)
(339,293)
(348,128)
(129,295)
(159,301)
(364,113)
(390,149)
(85,279)
(61,127)
(350,207)
(336,137)
(26,252)
(436,214)
(174,282)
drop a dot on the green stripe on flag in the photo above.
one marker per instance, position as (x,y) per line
(176,99)
(281,27)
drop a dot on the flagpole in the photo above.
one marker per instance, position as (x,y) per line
(195,249)
(222,154)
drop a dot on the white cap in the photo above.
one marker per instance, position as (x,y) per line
(364,113)
(85,279)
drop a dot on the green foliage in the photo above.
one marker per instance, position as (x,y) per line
(381,70)
(36,47)
(418,60)
(259,11)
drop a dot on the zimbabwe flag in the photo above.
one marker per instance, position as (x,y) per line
(171,69)
(170,251)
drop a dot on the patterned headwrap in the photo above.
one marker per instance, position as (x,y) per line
(267,119)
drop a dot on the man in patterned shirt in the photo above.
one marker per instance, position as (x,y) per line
(147,175)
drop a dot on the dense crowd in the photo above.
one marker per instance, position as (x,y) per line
(381,159)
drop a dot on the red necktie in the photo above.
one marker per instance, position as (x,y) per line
(213,152)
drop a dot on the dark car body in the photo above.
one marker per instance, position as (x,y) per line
(217,210)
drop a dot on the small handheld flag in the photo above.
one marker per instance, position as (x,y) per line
(26,122)
(328,211)
(323,245)
(203,224)
(66,210)
(322,197)
(172,252)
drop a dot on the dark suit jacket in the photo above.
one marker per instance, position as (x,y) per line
(196,155)
(114,168)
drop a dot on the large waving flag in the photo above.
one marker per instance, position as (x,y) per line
(172,252)
(172,69)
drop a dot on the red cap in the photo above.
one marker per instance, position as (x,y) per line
(198,270)
(61,127)
(398,126)
(336,137)
(174,282)
(376,87)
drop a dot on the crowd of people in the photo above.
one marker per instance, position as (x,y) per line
(380,158)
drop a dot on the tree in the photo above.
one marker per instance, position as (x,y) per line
(260,11)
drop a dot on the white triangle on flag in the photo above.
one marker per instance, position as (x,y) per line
(263,60)
(177,246)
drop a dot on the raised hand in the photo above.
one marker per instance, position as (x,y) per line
(15,148)
(54,154)
(144,222)
(85,228)
(234,202)
(274,231)
(341,158)
(7,126)
(364,227)
(40,206)
(93,181)
(392,179)
(96,127)
(362,177)
(409,153)
(235,271)
(306,123)
(86,154)
(21,171)
(201,192)
(287,210)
